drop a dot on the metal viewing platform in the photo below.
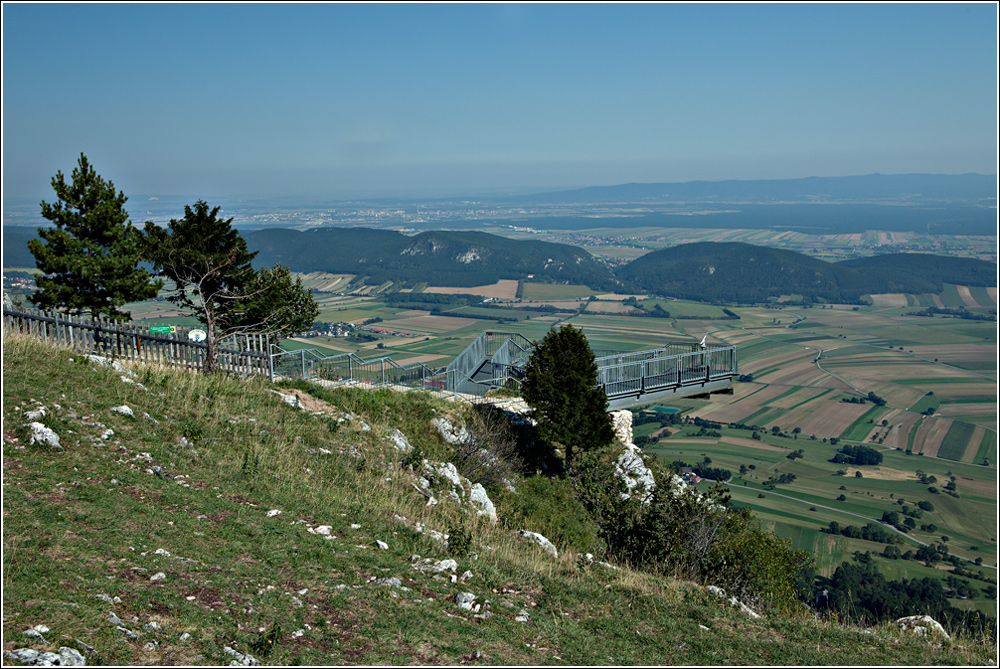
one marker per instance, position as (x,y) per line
(495,361)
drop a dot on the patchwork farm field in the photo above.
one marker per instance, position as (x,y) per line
(823,492)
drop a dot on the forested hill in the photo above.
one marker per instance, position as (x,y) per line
(438,257)
(737,272)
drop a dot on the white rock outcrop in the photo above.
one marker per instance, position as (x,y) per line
(400,441)
(630,468)
(922,626)
(450,433)
(44,436)
(290,400)
(540,540)
(719,592)
(442,479)
(105,362)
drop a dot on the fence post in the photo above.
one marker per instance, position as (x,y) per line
(270,366)
(302,352)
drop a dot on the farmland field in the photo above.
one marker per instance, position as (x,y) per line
(553,291)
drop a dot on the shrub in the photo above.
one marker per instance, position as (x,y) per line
(490,455)
(683,532)
(459,541)
(549,507)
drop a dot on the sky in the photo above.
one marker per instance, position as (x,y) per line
(396,100)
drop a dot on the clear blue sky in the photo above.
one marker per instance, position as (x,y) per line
(343,100)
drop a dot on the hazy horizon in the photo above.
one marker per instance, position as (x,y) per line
(378,101)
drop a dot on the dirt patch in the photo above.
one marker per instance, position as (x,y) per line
(504,288)
(882,473)
(310,403)
(751,443)
(218,516)
(427,357)
(889,300)
(963,292)
(433,323)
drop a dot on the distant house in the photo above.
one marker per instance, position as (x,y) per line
(688,475)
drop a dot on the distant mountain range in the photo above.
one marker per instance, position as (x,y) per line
(707,271)
(870,188)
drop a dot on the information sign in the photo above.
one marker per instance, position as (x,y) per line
(162,328)
(197,335)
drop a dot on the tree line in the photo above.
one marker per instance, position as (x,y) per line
(94,261)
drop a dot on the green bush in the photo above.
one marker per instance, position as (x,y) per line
(459,541)
(685,533)
(549,507)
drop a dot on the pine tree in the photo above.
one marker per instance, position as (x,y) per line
(209,262)
(90,259)
(560,386)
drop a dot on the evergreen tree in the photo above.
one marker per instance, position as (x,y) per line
(90,259)
(560,386)
(208,260)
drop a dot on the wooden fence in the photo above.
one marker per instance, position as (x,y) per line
(244,355)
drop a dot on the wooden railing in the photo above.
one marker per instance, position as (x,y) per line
(244,355)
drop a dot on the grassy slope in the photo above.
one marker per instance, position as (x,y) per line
(89,520)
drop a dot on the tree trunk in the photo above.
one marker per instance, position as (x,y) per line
(211,345)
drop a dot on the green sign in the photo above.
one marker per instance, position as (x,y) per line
(161,328)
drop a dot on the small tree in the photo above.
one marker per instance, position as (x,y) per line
(90,259)
(210,264)
(560,386)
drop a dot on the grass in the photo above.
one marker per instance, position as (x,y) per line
(554,291)
(106,515)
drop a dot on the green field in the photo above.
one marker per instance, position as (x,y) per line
(554,291)
(685,308)
(798,511)
(860,428)
(955,441)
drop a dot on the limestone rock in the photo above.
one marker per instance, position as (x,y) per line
(291,400)
(400,441)
(44,436)
(922,626)
(465,600)
(240,659)
(104,362)
(540,540)
(124,410)
(637,476)
(450,433)
(36,414)
(715,590)
(478,496)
